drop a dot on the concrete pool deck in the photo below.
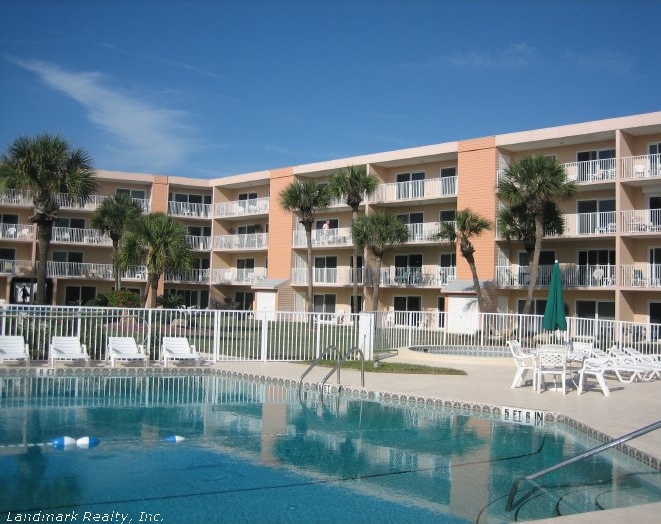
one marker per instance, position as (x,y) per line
(628,408)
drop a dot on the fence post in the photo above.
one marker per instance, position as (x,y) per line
(265,337)
(216,335)
(366,326)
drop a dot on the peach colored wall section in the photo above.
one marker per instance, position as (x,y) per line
(159,195)
(280,226)
(476,174)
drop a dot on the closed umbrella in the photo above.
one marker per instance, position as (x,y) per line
(554,313)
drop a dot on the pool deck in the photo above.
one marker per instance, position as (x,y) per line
(628,408)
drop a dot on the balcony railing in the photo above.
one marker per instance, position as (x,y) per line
(199,243)
(425,232)
(199,276)
(16,267)
(189,210)
(80,236)
(18,231)
(244,242)
(92,270)
(12,197)
(340,236)
(65,201)
(415,190)
(599,275)
(336,276)
(641,221)
(238,276)
(240,208)
(642,166)
(433,276)
(641,275)
(584,225)
(591,170)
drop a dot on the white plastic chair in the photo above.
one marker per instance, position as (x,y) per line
(68,349)
(14,349)
(177,348)
(595,367)
(125,349)
(551,362)
(524,362)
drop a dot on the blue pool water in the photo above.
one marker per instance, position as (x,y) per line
(256,452)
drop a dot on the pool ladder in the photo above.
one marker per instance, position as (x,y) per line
(341,359)
(577,458)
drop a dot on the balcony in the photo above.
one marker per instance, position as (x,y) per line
(584,225)
(641,221)
(189,210)
(425,232)
(431,276)
(591,171)
(584,276)
(195,276)
(325,276)
(641,167)
(93,271)
(199,243)
(16,267)
(641,276)
(12,197)
(244,242)
(18,231)
(237,276)
(336,237)
(432,190)
(242,208)
(90,237)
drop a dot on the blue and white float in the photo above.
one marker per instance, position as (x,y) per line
(63,442)
(82,442)
(174,438)
(87,442)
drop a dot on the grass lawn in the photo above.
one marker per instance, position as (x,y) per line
(395,367)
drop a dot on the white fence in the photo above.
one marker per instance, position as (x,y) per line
(296,336)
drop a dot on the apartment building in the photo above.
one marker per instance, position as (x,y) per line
(250,254)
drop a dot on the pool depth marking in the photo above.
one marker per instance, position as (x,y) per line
(528,417)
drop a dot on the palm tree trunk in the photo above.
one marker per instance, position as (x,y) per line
(534,264)
(310,293)
(376,282)
(45,235)
(115,263)
(354,216)
(153,284)
(476,283)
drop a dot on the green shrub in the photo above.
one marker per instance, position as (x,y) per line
(123,298)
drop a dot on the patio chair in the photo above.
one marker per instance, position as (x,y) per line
(177,348)
(595,367)
(14,349)
(551,362)
(67,349)
(125,349)
(623,366)
(524,362)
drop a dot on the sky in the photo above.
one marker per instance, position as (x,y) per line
(212,88)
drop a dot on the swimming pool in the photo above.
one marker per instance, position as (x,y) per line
(253,451)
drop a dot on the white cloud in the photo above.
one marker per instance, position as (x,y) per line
(605,61)
(512,57)
(151,135)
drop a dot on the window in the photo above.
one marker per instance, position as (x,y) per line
(78,295)
(245,269)
(324,303)
(189,198)
(448,181)
(449,215)
(7,253)
(407,310)
(448,260)
(74,223)
(655,158)
(67,256)
(414,221)
(333,223)
(244,300)
(8,219)
(325,270)
(408,269)
(198,231)
(590,308)
(361,267)
(536,307)
(546,258)
(411,185)
(448,172)
(132,193)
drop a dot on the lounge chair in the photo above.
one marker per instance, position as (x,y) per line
(125,349)
(623,366)
(177,348)
(68,349)
(637,358)
(14,349)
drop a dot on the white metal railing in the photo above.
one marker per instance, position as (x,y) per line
(340,236)
(246,241)
(426,231)
(252,206)
(237,275)
(189,209)
(92,270)
(641,275)
(591,170)
(65,201)
(337,276)
(641,166)
(12,197)
(429,275)
(413,190)
(18,231)
(583,224)
(573,275)
(200,276)
(80,236)
(16,267)
(199,243)
(641,221)
(297,336)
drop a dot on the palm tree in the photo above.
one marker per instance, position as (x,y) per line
(353,184)
(159,242)
(378,231)
(304,199)
(467,225)
(111,218)
(46,166)
(533,182)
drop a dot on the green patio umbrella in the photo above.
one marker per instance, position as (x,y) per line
(554,313)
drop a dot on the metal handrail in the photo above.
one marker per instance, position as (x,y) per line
(353,350)
(586,454)
(316,361)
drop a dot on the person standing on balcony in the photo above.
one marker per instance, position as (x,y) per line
(24,294)
(325,228)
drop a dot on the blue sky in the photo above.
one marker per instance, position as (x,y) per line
(206,89)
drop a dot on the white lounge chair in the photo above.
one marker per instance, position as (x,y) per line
(125,349)
(177,348)
(68,349)
(524,362)
(643,360)
(14,349)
